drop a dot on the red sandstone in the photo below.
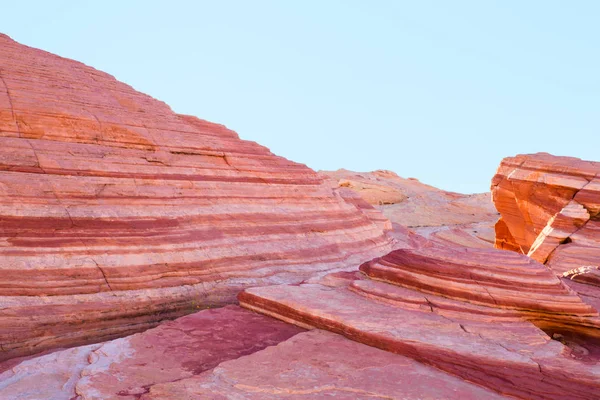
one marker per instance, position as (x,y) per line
(484,315)
(550,209)
(116,213)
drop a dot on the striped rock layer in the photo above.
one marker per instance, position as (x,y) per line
(550,209)
(484,315)
(116,212)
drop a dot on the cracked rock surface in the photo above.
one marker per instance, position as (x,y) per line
(126,368)
(495,318)
(117,213)
(550,209)
(321,365)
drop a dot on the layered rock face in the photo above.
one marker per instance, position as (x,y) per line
(229,353)
(484,315)
(550,208)
(425,321)
(446,217)
(116,212)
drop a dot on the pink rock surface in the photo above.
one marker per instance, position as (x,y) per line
(49,377)
(582,249)
(484,315)
(486,277)
(379,187)
(446,217)
(126,368)
(558,230)
(550,209)
(321,365)
(589,275)
(117,213)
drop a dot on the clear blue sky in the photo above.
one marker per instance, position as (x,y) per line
(438,90)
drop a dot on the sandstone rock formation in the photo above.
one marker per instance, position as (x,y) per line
(321,365)
(484,315)
(126,368)
(447,217)
(550,209)
(493,323)
(229,353)
(117,213)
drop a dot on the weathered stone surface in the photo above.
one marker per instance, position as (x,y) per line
(446,217)
(482,276)
(188,359)
(320,365)
(550,209)
(49,377)
(484,315)
(589,275)
(558,230)
(117,213)
(126,368)
(379,187)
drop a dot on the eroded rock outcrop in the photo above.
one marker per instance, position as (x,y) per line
(495,318)
(446,217)
(117,213)
(550,209)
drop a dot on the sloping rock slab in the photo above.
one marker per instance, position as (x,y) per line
(125,368)
(550,209)
(320,365)
(491,346)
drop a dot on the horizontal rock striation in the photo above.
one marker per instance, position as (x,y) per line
(589,275)
(484,315)
(116,212)
(491,279)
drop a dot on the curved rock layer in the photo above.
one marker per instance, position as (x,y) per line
(116,212)
(550,209)
(484,315)
(488,278)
